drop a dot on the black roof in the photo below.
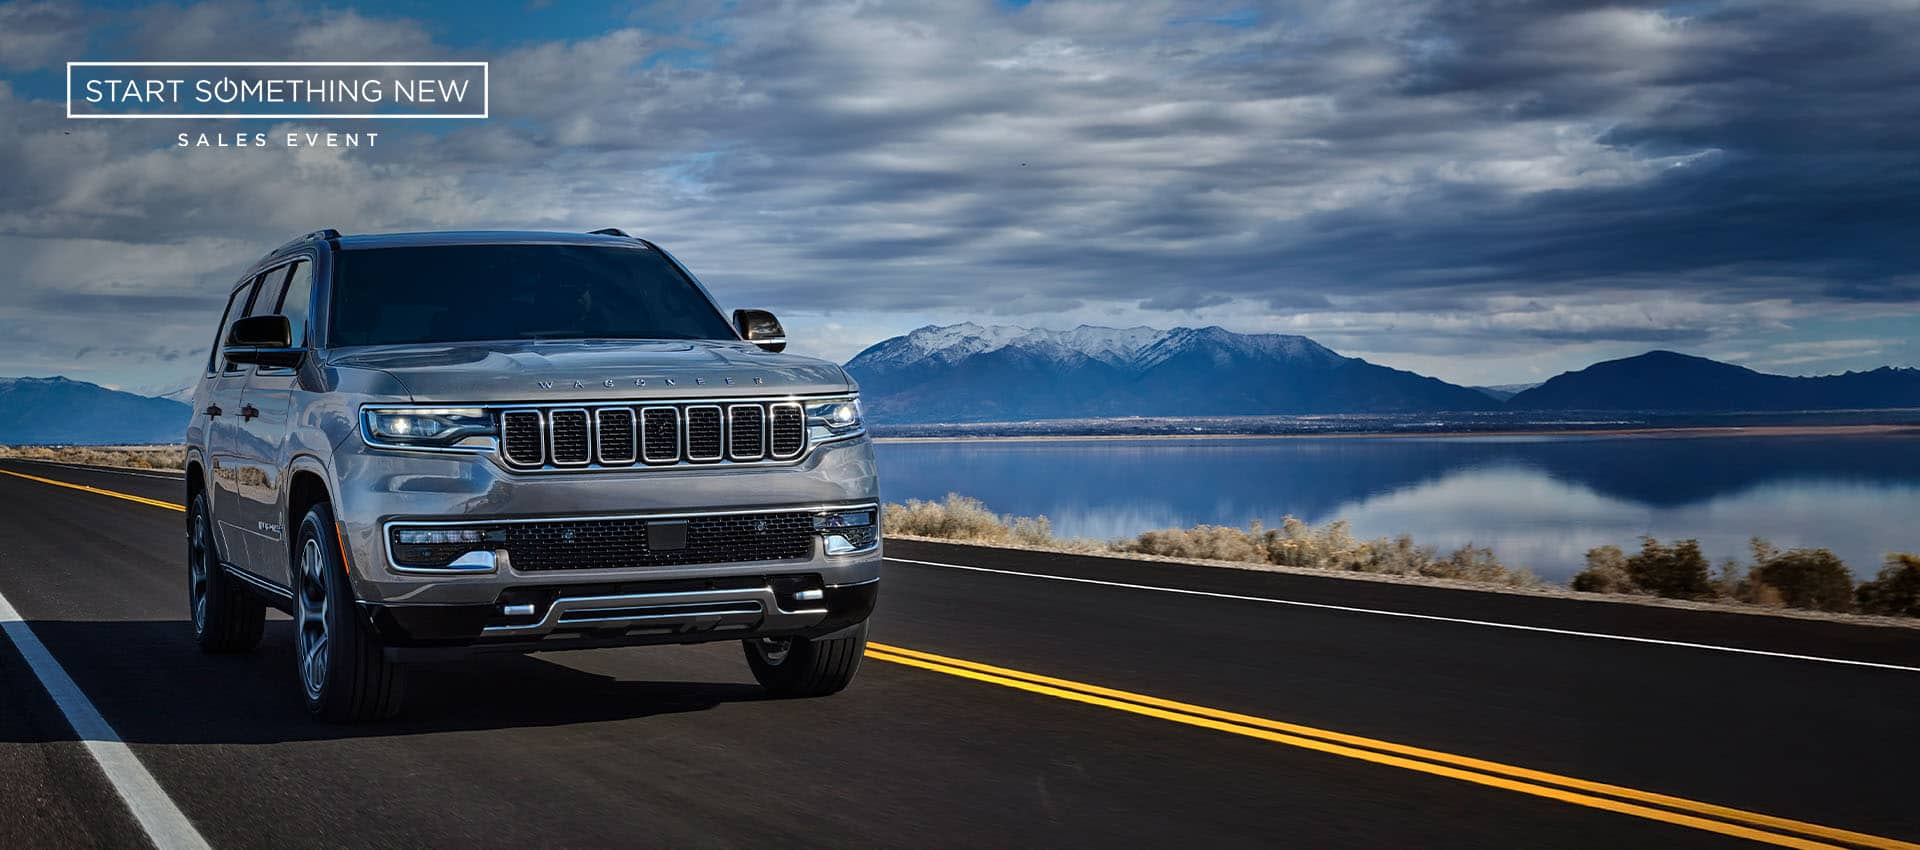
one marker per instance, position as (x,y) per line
(455,237)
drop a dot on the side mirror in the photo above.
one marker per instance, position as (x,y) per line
(760,328)
(263,340)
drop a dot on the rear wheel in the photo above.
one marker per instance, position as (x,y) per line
(807,667)
(226,617)
(343,667)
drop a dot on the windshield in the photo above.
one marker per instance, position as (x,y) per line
(456,293)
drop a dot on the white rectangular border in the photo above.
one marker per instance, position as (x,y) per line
(486,86)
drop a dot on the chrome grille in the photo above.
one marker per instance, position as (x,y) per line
(521,442)
(618,435)
(746,431)
(703,433)
(788,429)
(615,427)
(567,438)
(660,433)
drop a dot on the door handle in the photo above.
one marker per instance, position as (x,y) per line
(213,410)
(248,411)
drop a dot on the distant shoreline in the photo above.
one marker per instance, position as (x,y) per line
(1667,432)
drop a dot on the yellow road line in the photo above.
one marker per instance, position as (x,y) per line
(1418,759)
(114,493)
(1463,768)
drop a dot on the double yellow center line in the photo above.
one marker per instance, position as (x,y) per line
(1679,811)
(1782,832)
(98,491)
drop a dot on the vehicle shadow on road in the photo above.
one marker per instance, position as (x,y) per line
(154,686)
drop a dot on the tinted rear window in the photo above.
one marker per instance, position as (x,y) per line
(456,293)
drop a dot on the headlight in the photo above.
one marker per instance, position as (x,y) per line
(827,420)
(428,427)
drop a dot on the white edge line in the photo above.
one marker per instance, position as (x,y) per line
(166,826)
(1412,616)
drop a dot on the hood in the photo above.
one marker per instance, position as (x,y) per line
(537,371)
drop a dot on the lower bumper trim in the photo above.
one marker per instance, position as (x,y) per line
(622,620)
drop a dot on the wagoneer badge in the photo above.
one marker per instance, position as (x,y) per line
(698,381)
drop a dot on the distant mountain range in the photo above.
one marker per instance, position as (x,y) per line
(971,373)
(963,373)
(1502,392)
(1664,380)
(58,410)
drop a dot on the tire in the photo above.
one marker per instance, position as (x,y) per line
(806,667)
(226,616)
(343,669)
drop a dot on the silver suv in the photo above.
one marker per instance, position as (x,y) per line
(440,443)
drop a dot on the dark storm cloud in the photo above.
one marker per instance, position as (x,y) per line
(1402,175)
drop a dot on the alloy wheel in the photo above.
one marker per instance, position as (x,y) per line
(198,569)
(311,637)
(774,651)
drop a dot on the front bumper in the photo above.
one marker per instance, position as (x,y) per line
(374,488)
(625,614)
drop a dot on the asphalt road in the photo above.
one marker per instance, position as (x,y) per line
(1227,718)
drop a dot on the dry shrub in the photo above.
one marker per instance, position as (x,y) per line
(1800,578)
(1297,543)
(1678,571)
(955,518)
(1896,590)
(137,457)
(1477,563)
(1606,572)
(1208,542)
(1293,544)
(1804,578)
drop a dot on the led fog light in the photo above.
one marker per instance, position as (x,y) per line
(847,532)
(447,548)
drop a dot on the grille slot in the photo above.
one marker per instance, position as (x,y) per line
(704,439)
(622,543)
(660,434)
(568,438)
(746,431)
(788,430)
(521,442)
(617,438)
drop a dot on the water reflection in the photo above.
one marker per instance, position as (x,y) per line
(1541,501)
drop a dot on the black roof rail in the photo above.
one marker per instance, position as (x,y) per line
(611,231)
(322,234)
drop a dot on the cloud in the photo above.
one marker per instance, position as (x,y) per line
(37,34)
(1409,179)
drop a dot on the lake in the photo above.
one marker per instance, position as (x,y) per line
(1539,501)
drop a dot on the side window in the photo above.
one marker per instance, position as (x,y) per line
(297,299)
(237,305)
(267,298)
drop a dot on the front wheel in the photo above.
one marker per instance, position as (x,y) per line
(343,666)
(226,618)
(807,667)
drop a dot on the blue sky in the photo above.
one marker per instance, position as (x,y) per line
(1489,194)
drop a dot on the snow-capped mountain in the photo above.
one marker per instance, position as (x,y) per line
(969,372)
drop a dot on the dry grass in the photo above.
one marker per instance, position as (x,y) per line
(135,457)
(1293,544)
(962,518)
